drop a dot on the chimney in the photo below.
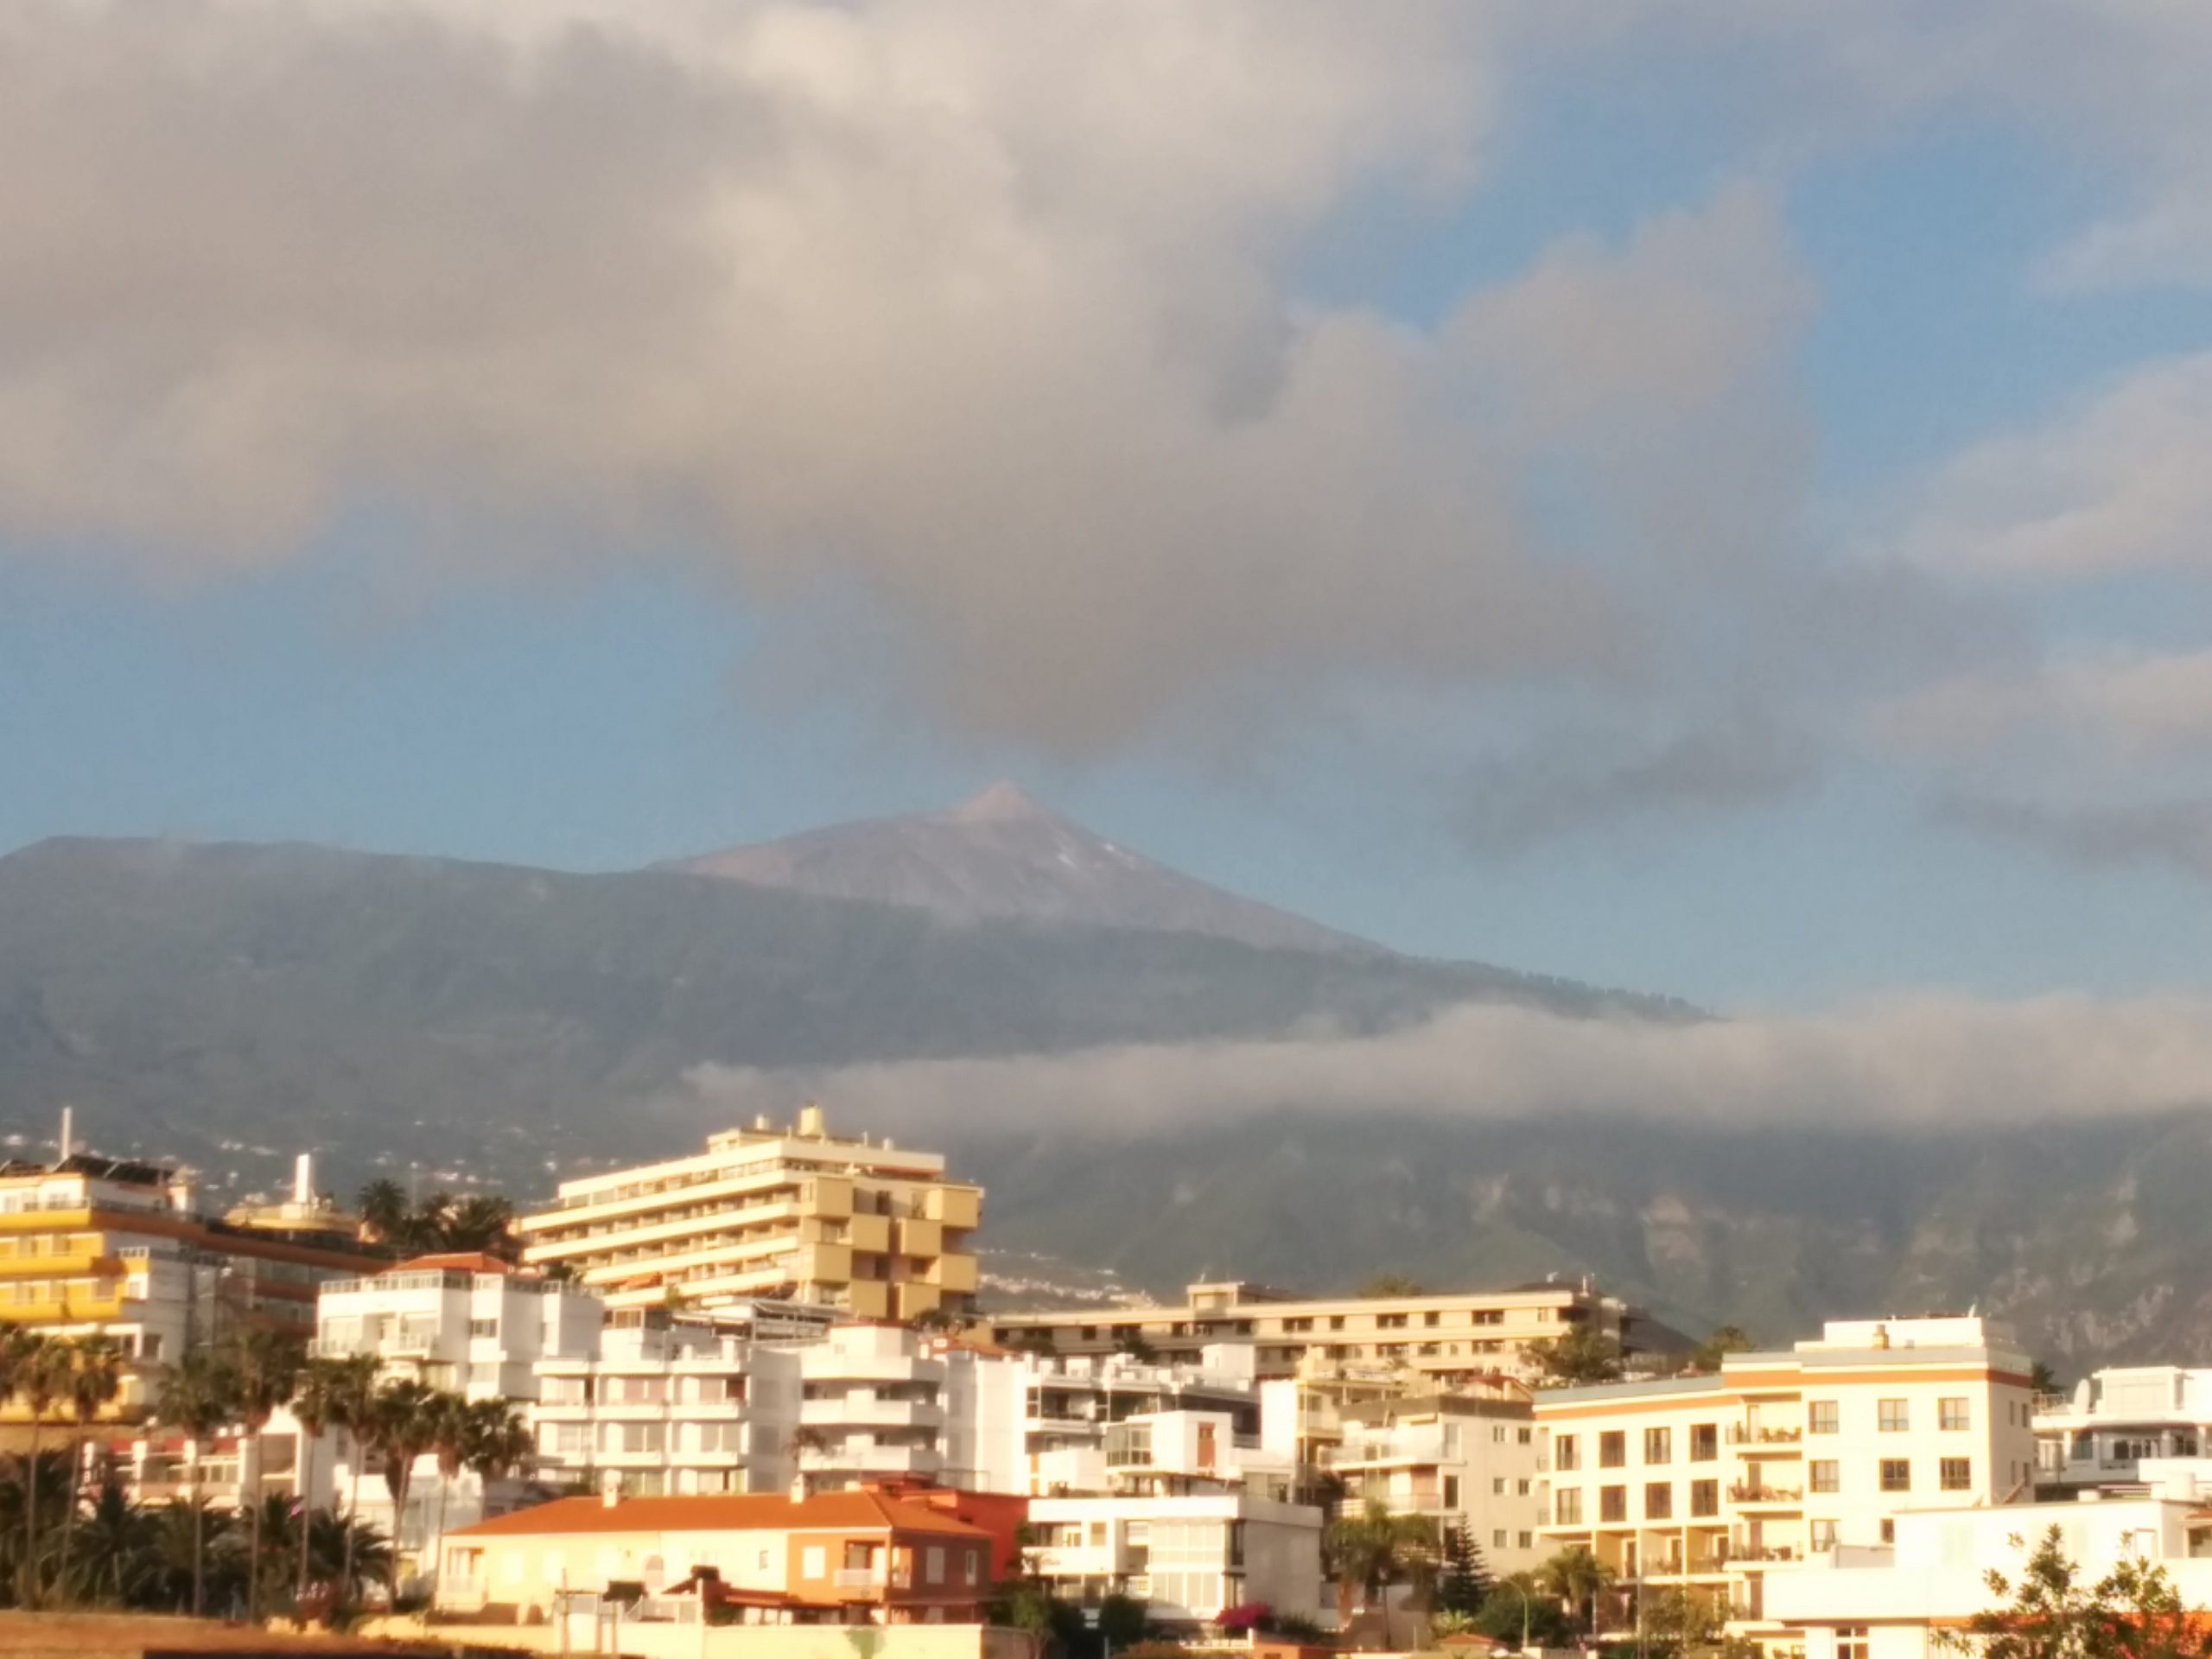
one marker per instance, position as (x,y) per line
(610,1491)
(68,1142)
(184,1191)
(810,1121)
(303,1179)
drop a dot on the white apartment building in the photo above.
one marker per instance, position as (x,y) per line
(468,1324)
(1074,1402)
(1461,1337)
(882,1402)
(1189,1558)
(2103,1433)
(1459,1461)
(669,1407)
(1907,1599)
(1709,1483)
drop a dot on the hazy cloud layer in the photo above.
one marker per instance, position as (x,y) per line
(1931,1060)
(2173,834)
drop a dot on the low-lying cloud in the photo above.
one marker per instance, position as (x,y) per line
(1930,1061)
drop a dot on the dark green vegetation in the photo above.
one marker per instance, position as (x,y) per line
(506,1022)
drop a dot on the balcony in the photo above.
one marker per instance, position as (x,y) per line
(1750,1495)
(865,1457)
(870,1411)
(1752,1442)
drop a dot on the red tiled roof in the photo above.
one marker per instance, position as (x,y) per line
(453,1261)
(859,1511)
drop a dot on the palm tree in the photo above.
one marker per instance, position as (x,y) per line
(1578,1579)
(198,1395)
(480,1222)
(95,1381)
(400,1426)
(314,1407)
(451,1426)
(1374,1549)
(41,1378)
(383,1207)
(265,1364)
(352,1384)
(121,1542)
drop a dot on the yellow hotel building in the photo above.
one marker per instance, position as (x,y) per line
(93,1246)
(795,1213)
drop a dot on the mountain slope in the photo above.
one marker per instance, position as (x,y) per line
(283,995)
(1002,857)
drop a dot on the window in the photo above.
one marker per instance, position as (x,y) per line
(1658,1445)
(1957,1474)
(1953,1411)
(1896,1474)
(1526,1540)
(968,1567)
(1522,1486)
(1850,1642)
(814,1562)
(1431,1319)
(1704,1499)
(1528,1436)
(1889,1532)
(1823,1537)
(1826,1475)
(1098,1534)
(1821,1417)
(1567,1507)
(1336,1321)
(1612,1504)
(1451,1491)
(1612,1449)
(1892,1417)
(1567,1456)
(1497,1485)
(1659,1501)
(1389,1321)
(484,1327)
(1705,1442)
(933,1565)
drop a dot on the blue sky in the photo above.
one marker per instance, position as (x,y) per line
(586,561)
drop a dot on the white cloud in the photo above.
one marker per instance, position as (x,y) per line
(2115,485)
(985,310)
(1928,1059)
(2124,706)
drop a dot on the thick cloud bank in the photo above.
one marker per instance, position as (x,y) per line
(1930,1061)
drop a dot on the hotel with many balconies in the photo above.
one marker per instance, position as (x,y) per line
(874,1230)
(1708,1483)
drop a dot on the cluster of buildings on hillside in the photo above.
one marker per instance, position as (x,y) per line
(756,1372)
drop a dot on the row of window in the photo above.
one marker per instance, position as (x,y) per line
(1824,1476)
(1953,1412)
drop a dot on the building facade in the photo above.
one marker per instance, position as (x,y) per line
(1465,1337)
(93,1246)
(1459,1461)
(1707,1483)
(859,1557)
(871,1229)
(1189,1558)
(2102,1435)
(881,1403)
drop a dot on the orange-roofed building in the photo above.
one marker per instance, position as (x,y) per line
(852,1557)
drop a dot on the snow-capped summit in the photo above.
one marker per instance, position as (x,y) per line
(1003,855)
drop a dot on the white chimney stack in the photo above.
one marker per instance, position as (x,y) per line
(303,1179)
(68,1132)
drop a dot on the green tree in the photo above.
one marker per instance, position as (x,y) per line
(1464,1580)
(1122,1621)
(1577,1577)
(118,1552)
(382,1206)
(199,1395)
(1375,1548)
(351,1386)
(2042,1379)
(266,1365)
(1672,1619)
(401,1424)
(2133,1612)
(480,1222)
(1579,1357)
(314,1407)
(1519,1610)
(1393,1284)
(40,1379)
(1707,1354)
(95,1381)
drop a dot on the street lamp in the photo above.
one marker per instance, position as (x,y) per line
(1508,1584)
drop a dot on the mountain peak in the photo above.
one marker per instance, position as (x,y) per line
(1002,856)
(1003,802)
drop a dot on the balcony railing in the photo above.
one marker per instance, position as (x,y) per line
(1745,1434)
(1744,1493)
